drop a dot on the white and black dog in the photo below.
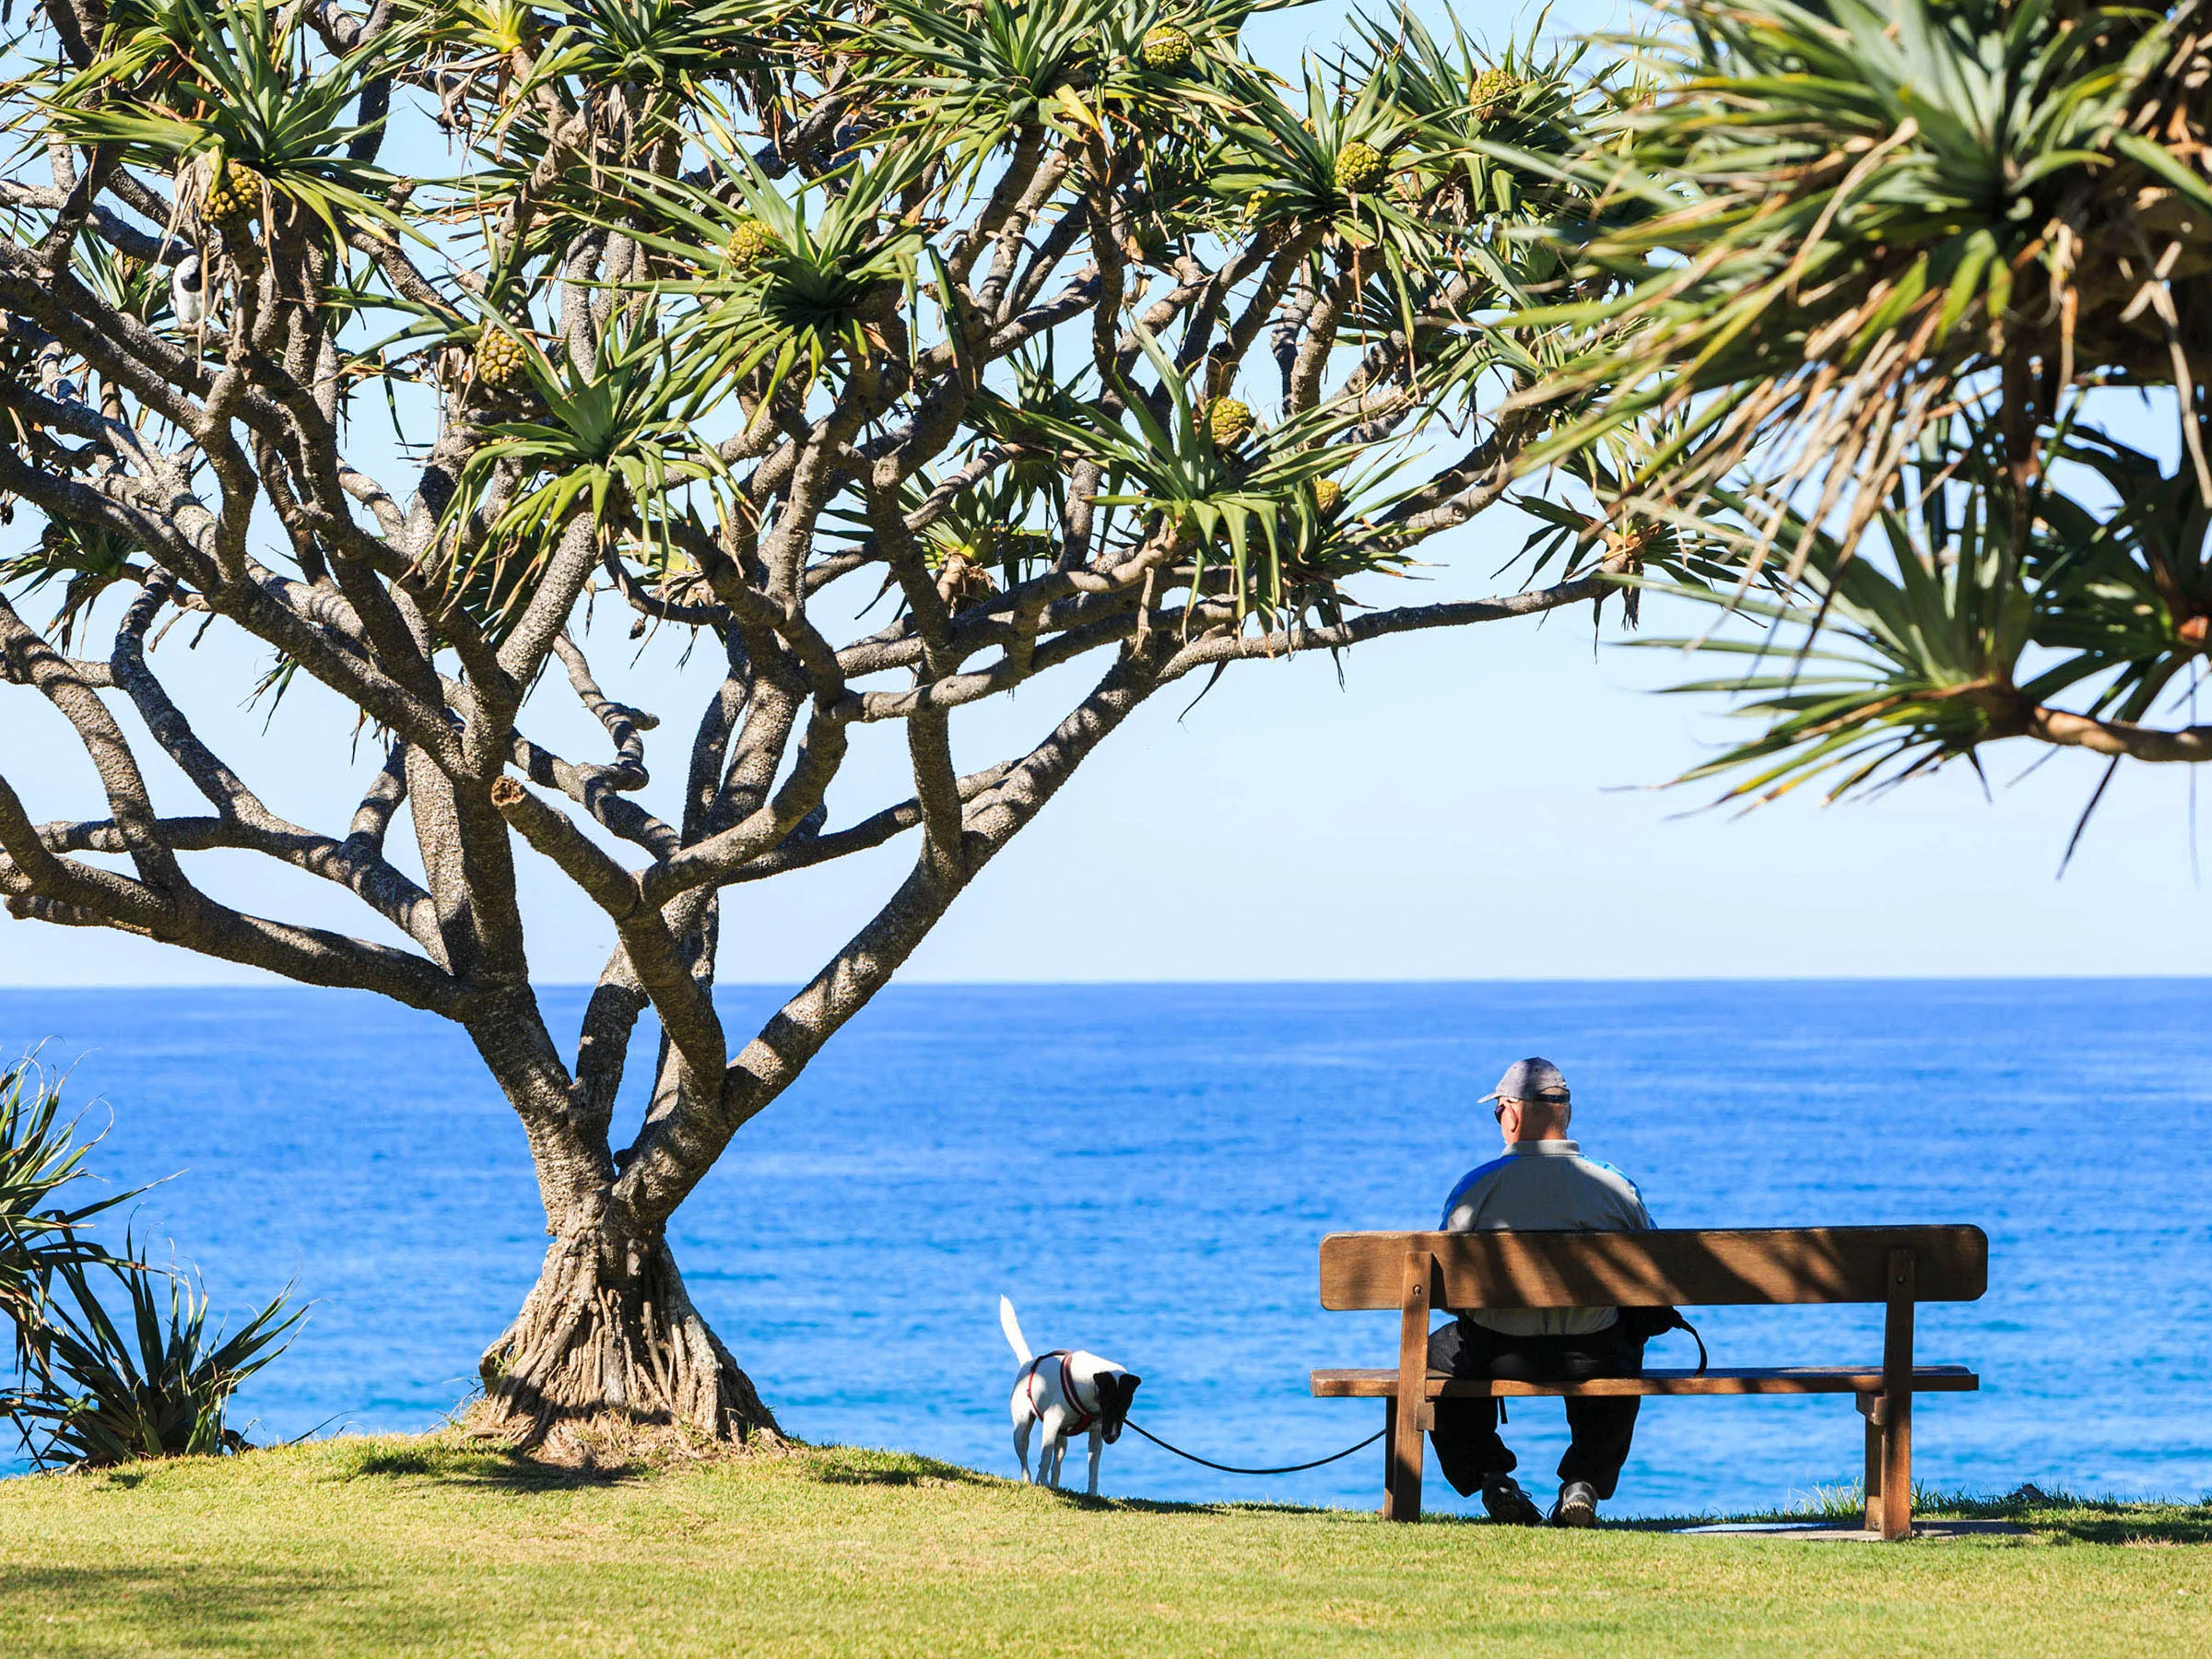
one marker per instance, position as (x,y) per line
(1063,1394)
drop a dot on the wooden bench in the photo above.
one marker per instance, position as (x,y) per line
(1420,1272)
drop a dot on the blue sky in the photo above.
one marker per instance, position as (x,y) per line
(1470,804)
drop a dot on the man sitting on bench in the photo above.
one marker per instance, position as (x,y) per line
(1543,1182)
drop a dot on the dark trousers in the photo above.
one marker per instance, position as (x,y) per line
(1466,1436)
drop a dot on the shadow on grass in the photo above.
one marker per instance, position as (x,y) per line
(2090,1520)
(851,1466)
(495,1468)
(840,1468)
(1158,1506)
(2059,1517)
(183,1605)
(2053,1517)
(213,1604)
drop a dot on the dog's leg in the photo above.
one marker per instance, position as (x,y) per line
(1097,1444)
(1021,1445)
(1054,1449)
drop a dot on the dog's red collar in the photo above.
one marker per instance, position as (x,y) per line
(1067,1389)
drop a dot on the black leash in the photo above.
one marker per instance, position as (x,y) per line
(1285,1469)
(1662,1320)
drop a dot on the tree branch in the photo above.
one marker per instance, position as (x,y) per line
(672,1153)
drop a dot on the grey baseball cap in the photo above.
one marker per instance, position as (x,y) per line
(1534,1078)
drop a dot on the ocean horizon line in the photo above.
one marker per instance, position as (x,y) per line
(925,982)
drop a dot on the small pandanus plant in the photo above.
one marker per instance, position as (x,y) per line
(86,1393)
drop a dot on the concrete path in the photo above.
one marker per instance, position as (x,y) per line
(1830,1532)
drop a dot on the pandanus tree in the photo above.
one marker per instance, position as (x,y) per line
(1912,295)
(895,354)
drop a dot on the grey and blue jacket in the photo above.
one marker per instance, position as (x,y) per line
(1548,1185)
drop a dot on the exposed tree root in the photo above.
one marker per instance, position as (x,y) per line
(608,1361)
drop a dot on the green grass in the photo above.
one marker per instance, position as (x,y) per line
(428,1546)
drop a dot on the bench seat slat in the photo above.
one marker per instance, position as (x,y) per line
(1354,1382)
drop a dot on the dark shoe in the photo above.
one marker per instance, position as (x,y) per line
(1577,1505)
(1507,1504)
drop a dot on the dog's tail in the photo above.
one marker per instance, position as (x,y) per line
(1012,1327)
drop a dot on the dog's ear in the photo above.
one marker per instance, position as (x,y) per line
(1126,1385)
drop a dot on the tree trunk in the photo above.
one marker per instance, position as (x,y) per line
(608,1359)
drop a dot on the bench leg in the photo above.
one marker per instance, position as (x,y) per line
(1870,1407)
(1401,1496)
(1897,1399)
(1390,1447)
(1897,1466)
(1402,1500)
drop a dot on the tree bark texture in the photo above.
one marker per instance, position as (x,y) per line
(609,1350)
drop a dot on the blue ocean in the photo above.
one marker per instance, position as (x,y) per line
(1147,1171)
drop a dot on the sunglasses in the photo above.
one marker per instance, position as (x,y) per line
(1498,1107)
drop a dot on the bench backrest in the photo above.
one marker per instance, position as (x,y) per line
(1681,1266)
